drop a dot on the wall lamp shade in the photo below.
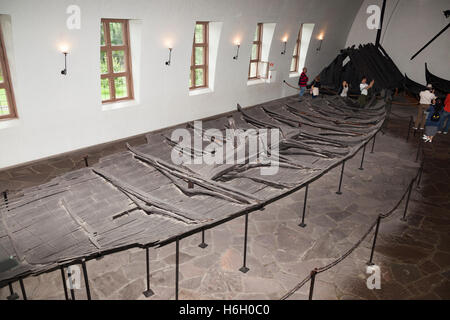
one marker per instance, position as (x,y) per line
(64,71)
(321,36)
(237,51)
(170,57)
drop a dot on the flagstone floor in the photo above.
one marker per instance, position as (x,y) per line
(413,256)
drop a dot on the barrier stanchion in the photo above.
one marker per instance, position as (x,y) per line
(149,292)
(370,263)
(244,268)
(409,128)
(86,279)
(419,149)
(22,288)
(339,192)
(177,267)
(363,156)
(302,224)
(203,245)
(12,294)
(373,144)
(407,202)
(63,276)
(313,280)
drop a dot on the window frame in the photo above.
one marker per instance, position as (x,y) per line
(296,55)
(109,48)
(258,42)
(205,65)
(7,84)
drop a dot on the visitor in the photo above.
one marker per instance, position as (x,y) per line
(426,98)
(364,87)
(445,121)
(344,92)
(315,88)
(433,120)
(303,82)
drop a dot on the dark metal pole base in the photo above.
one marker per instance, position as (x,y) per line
(370,264)
(14,296)
(302,225)
(362,169)
(203,245)
(339,193)
(244,269)
(148,293)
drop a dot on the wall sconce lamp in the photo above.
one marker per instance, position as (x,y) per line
(170,57)
(64,49)
(284,48)
(320,43)
(64,72)
(238,45)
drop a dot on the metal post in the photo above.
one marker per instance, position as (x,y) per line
(64,283)
(313,280)
(72,291)
(12,294)
(409,128)
(407,201)
(177,267)
(203,245)
(370,263)
(419,149)
(244,268)
(86,163)
(86,279)
(339,192)
(419,180)
(149,292)
(302,224)
(22,288)
(363,156)
(373,145)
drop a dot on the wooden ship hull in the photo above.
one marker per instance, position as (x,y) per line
(140,198)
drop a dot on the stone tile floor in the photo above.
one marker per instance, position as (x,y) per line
(414,257)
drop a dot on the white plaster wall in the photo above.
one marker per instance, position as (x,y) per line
(408,26)
(64,113)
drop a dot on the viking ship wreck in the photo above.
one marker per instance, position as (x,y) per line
(140,198)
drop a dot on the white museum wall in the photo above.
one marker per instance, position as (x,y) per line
(408,26)
(58,114)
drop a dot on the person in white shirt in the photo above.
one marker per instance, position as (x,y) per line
(426,99)
(364,87)
(344,92)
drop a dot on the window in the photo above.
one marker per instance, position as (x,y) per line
(7,104)
(115,61)
(199,60)
(296,56)
(255,58)
(301,49)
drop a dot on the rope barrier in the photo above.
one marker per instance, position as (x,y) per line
(350,251)
(289,85)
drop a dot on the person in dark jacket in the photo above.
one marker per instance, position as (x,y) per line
(433,120)
(303,82)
